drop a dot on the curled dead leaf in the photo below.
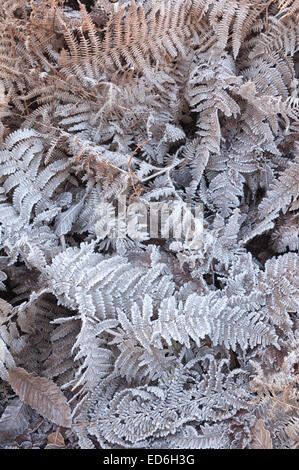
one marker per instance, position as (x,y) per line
(41,394)
(56,439)
(261,437)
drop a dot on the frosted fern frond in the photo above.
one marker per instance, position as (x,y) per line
(225,190)
(280,282)
(190,109)
(209,85)
(137,414)
(286,233)
(32,186)
(98,286)
(283,192)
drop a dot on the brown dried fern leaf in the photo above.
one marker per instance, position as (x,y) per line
(261,437)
